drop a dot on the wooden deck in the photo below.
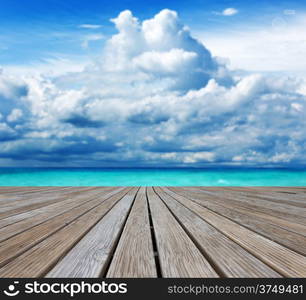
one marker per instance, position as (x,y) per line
(152,232)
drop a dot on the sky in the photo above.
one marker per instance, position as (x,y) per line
(152,83)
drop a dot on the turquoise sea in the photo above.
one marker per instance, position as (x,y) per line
(150,177)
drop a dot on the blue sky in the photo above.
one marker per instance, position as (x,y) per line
(38,30)
(154,83)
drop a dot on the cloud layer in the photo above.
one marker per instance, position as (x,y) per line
(155,97)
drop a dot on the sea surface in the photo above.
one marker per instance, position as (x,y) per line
(150,177)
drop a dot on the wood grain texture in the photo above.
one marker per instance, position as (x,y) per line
(24,193)
(90,256)
(294,197)
(37,201)
(162,231)
(22,222)
(35,260)
(283,260)
(295,224)
(230,258)
(275,208)
(60,195)
(134,256)
(19,197)
(284,236)
(178,255)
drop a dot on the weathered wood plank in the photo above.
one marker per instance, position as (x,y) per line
(18,223)
(134,255)
(14,207)
(18,244)
(230,258)
(178,255)
(22,191)
(259,215)
(32,204)
(21,199)
(23,194)
(38,260)
(296,198)
(90,256)
(73,231)
(283,260)
(278,209)
(284,236)
(61,197)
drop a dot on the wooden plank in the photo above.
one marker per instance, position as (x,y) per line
(20,199)
(90,256)
(18,191)
(291,198)
(259,216)
(282,229)
(288,197)
(18,223)
(290,194)
(41,200)
(20,243)
(178,255)
(288,238)
(134,257)
(37,261)
(231,259)
(277,209)
(283,260)
(30,205)
(61,199)
(27,189)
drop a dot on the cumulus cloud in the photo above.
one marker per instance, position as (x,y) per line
(159,49)
(155,96)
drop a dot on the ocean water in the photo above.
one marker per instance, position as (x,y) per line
(150,177)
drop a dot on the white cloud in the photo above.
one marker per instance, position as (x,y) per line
(90,26)
(282,157)
(175,60)
(12,87)
(91,38)
(15,115)
(277,47)
(156,96)
(230,11)
(56,66)
(4,128)
(199,157)
(157,47)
